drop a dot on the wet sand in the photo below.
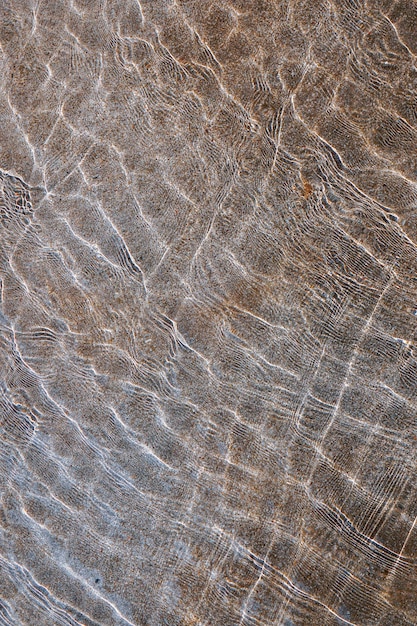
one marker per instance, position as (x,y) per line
(208,312)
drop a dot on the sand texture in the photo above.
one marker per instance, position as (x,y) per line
(208,313)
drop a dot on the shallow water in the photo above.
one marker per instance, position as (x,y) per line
(208,376)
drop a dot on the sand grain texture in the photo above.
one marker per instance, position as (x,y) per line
(208,368)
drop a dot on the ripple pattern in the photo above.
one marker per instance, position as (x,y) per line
(208,313)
